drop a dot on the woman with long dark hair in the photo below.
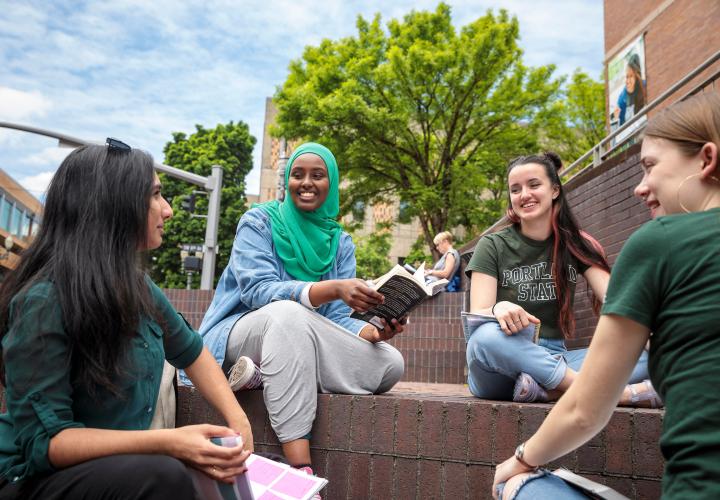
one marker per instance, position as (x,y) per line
(666,281)
(632,98)
(84,335)
(525,275)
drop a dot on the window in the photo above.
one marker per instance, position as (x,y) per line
(26,226)
(358,211)
(404,216)
(5,212)
(16,222)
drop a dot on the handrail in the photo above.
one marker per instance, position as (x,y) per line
(597,153)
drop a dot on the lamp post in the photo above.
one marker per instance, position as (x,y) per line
(212,184)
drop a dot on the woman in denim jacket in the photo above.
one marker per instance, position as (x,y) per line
(284,301)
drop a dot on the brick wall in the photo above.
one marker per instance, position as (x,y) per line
(407,445)
(679,36)
(432,344)
(604,204)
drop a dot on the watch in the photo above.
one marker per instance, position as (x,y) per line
(519,452)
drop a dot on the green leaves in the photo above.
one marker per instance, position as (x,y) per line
(229,146)
(421,111)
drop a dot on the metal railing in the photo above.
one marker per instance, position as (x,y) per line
(600,153)
(636,124)
(212,184)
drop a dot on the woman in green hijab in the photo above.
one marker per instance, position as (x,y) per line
(283,304)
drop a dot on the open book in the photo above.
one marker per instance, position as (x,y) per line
(265,479)
(403,292)
(470,322)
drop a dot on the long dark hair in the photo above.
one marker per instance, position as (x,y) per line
(637,96)
(89,247)
(569,240)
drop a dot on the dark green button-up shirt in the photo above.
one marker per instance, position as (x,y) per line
(41,400)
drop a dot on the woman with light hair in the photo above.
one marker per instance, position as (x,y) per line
(446,267)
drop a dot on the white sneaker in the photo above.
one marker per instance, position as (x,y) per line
(244,375)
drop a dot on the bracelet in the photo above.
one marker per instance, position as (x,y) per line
(492,309)
(519,452)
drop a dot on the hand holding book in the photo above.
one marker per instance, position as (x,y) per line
(512,317)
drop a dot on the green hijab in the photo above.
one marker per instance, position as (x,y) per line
(307,242)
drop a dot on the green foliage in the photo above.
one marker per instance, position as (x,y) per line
(576,122)
(423,112)
(371,252)
(418,254)
(229,146)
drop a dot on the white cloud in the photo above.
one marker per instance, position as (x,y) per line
(52,156)
(17,105)
(141,70)
(37,184)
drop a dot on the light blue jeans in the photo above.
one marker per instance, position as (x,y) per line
(495,360)
(544,484)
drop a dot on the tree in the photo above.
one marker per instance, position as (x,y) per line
(371,252)
(229,146)
(422,113)
(576,121)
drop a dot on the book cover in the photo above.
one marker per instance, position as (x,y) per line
(593,489)
(403,292)
(471,321)
(265,479)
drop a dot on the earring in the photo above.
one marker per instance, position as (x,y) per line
(679,188)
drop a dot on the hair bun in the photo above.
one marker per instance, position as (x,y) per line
(554,158)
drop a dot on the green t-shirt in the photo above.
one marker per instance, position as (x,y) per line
(667,278)
(523,268)
(41,400)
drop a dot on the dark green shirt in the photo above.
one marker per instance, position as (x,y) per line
(524,270)
(41,401)
(667,278)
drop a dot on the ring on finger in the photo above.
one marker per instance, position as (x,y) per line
(214,469)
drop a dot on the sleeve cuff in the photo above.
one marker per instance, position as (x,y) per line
(305,297)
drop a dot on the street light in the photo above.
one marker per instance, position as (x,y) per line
(211,184)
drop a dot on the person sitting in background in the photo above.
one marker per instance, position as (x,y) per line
(666,281)
(84,335)
(447,266)
(283,304)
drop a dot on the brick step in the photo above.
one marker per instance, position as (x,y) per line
(437,441)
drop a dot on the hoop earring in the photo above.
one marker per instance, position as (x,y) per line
(679,188)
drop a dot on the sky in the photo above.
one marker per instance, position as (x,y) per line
(140,70)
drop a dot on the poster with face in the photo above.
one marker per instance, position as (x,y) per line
(627,86)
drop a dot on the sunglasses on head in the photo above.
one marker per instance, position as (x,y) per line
(116,145)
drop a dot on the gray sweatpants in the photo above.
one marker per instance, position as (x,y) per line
(301,353)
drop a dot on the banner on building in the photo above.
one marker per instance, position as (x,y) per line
(627,84)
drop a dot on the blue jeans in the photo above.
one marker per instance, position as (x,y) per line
(543,484)
(495,360)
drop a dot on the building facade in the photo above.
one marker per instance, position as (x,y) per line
(676,36)
(20,216)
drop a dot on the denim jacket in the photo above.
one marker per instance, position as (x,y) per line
(255,276)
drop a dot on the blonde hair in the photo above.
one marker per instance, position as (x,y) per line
(689,124)
(445,235)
